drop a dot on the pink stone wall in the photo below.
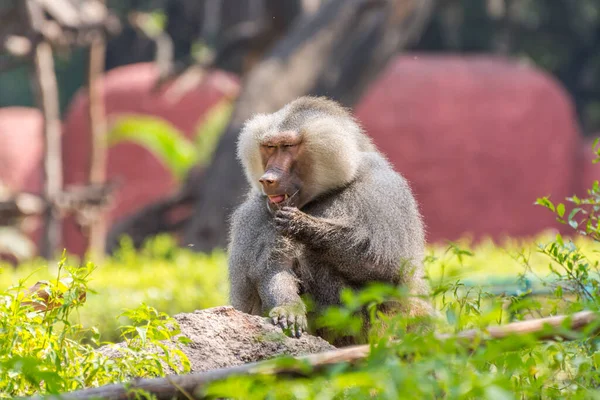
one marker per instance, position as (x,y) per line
(478,138)
(21,149)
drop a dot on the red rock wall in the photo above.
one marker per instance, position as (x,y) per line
(478,138)
(21,152)
(21,147)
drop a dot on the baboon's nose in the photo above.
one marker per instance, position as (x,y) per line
(269,179)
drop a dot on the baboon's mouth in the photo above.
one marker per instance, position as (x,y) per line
(278,198)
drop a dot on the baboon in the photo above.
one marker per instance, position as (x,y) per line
(325,211)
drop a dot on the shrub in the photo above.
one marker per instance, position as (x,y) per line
(41,349)
(161,274)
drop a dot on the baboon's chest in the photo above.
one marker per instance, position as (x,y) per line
(318,279)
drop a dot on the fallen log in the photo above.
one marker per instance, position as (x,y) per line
(188,386)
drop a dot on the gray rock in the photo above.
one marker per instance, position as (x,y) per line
(224,337)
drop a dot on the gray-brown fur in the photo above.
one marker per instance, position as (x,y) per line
(360,225)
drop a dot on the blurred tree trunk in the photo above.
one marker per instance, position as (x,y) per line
(335,52)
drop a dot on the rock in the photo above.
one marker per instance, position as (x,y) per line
(224,337)
(142,177)
(479,139)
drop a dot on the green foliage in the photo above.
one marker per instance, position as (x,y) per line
(419,365)
(474,287)
(561,276)
(425,364)
(170,145)
(160,274)
(210,129)
(41,349)
(159,137)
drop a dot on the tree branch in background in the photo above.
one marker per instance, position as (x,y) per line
(47,98)
(336,52)
(98,151)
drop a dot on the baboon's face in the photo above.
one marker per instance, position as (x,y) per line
(282,162)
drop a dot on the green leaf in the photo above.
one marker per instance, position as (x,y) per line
(545,201)
(558,292)
(210,129)
(497,393)
(142,331)
(560,210)
(159,137)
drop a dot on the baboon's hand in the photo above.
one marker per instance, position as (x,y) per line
(289,317)
(289,221)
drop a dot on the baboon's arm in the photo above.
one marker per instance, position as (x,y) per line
(278,291)
(338,240)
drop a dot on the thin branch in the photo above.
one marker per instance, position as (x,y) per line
(53,180)
(47,97)
(98,126)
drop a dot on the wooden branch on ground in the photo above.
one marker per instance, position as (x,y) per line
(578,322)
(183,385)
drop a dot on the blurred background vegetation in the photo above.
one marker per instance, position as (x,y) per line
(560,36)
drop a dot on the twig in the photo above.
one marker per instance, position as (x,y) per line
(170,387)
(53,179)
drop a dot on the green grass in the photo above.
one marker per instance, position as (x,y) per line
(170,279)
(50,353)
(175,280)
